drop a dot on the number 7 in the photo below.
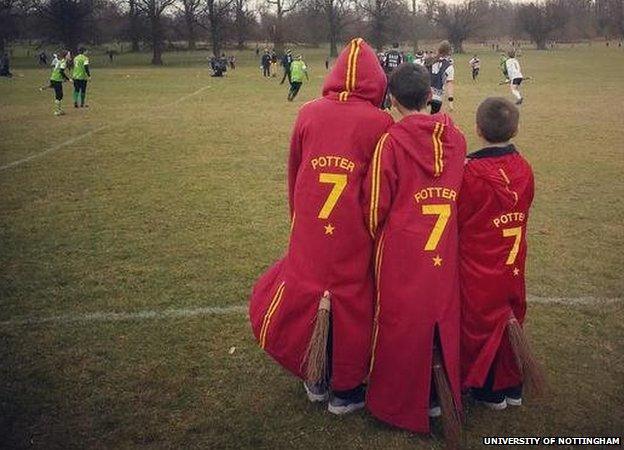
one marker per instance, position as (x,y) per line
(443,212)
(517,234)
(340,182)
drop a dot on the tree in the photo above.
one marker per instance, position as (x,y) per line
(154,10)
(190,9)
(217,12)
(9,12)
(66,21)
(540,20)
(282,7)
(134,25)
(243,19)
(460,21)
(378,12)
(335,11)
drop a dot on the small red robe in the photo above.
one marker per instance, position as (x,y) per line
(497,192)
(412,190)
(330,249)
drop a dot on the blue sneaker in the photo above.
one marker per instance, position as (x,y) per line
(316,392)
(345,402)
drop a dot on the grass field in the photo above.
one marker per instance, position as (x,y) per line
(174,198)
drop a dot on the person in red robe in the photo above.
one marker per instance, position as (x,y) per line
(497,192)
(330,250)
(411,195)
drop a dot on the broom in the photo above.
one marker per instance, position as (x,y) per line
(450,417)
(315,358)
(532,372)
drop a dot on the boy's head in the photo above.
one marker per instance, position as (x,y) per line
(410,86)
(497,120)
(82,50)
(444,49)
(511,53)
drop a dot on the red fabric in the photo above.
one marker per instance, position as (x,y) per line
(492,289)
(418,164)
(334,135)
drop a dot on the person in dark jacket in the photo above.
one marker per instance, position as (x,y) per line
(287,60)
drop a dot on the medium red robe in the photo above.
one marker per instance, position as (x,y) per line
(412,190)
(330,249)
(497,192)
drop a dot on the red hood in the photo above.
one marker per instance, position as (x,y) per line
(508,184)
(357,73)
(430,140)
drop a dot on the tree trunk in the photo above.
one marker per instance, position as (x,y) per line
(190,26)
(278,39)
(414,27)
(540,43)
(134,27)
(240,25)
(332,21)
(156,41)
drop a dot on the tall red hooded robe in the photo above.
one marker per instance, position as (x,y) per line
(412,190)
(332,143)
(497,192)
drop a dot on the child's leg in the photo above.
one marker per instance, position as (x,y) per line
(296,87)
(83,92)
(58,97)
(515,91)
(487,396)
(76,92)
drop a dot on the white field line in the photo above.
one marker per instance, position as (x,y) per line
(242,309)
(139,315)
(90,133)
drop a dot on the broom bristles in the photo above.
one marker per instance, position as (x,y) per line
(315,358)
(532,373)
(451,421)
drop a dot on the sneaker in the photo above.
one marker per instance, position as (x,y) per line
(492,400)
(513,395)
(519,102)
(59,113)
(434,411)
(75,105)
(316,392)
(347,402)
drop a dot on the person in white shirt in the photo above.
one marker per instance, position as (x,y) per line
(442,76)
(514,74)
(475,65)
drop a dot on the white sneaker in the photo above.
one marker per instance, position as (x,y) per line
(434,411)
(513,401)
(355,400)
(495,406)
(316,392)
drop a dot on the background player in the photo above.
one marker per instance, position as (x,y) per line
(442,76)
(391,60)
(81,75)
(475,65)
(57,78)
(514,74)
(298,70)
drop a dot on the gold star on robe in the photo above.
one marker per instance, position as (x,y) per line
(437,261)
(329,229)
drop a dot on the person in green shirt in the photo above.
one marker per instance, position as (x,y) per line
(298,70)
(81,75)
(57,77)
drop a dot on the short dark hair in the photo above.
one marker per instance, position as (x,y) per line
(410,85)
(497,119)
